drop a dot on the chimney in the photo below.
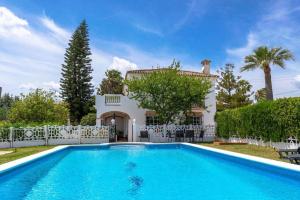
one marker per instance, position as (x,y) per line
(0,91)
(206,66)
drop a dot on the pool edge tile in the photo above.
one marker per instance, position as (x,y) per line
(21,161)
(266,161)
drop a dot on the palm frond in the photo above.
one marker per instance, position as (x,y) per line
(279,62)
(280,55)
(263,57)
(248,67)
(251,63)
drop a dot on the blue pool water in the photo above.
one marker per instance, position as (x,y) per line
(147,173)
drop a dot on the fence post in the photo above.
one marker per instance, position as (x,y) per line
(79,134)
(134,132)
(165,132)
(46,134)
(11,136)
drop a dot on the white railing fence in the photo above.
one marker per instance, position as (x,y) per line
(177,133)
(290,143)
(113,99)
(52,135)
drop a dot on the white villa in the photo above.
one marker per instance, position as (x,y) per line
(128,116)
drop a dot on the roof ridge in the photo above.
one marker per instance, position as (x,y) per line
(187,72)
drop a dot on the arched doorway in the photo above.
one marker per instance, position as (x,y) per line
(121,123)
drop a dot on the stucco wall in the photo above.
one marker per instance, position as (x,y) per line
(210,103)
(131,108)
(128,106)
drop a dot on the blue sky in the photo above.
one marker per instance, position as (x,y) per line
(127,34)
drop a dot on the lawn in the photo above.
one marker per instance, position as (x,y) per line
(21,152)
(264,152)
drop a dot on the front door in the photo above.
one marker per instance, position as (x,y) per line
(118,128)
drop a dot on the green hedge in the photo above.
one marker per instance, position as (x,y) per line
(271,120)
(7,124)
(89,119)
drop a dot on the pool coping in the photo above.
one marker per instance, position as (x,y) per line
(22,161)
(266,161)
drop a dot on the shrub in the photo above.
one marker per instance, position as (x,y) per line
(3,113)
(38,107)
(7,124)
(271,120)
(89,119)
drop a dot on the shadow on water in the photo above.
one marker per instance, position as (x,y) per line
(130,166)
(136,183)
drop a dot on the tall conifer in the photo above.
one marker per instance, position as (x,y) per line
(76,86)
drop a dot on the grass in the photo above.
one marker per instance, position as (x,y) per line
(264,152)
(21,152)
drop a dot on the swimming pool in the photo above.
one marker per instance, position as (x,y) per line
(152,171)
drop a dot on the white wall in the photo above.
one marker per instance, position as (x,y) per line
(131,108)
(210,103)
(128,106)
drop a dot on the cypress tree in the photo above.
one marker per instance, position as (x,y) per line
(75,84)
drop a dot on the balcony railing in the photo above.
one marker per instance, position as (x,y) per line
(113,99)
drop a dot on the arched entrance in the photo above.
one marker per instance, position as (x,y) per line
(121,123)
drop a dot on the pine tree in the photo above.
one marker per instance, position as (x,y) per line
(112,84)
(233,91)
(76,87)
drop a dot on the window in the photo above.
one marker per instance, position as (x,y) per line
(195,120)
(152,120)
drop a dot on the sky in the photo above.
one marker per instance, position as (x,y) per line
(136,34)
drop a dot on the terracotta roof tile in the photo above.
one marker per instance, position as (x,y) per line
(183,72)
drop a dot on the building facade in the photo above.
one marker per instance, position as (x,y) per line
(126,116)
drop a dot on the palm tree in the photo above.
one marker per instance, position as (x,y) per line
(261,95)
(263,58)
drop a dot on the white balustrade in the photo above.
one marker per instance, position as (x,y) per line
(290,143)
(52,135)
(167,133)
(113,99)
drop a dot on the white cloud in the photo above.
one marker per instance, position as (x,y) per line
(27,86)
(57,31)
(297,81)
(191,5)
(122,65)
(149,30)
(278,27)
(51,85)
(190,11)
(282,11)
(28,57)
(241,52)
(11,24)
(141,58)
(17,31)
(7,18)
(31,57)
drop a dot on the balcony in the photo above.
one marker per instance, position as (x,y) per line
(112,99)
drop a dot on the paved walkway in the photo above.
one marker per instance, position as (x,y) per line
(5,152)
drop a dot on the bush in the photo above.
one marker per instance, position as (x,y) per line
(6,101)
(7,124)
(271,120)
(38,107)
(3,113)
(89,119)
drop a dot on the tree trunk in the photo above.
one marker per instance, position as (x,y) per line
(268,83)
